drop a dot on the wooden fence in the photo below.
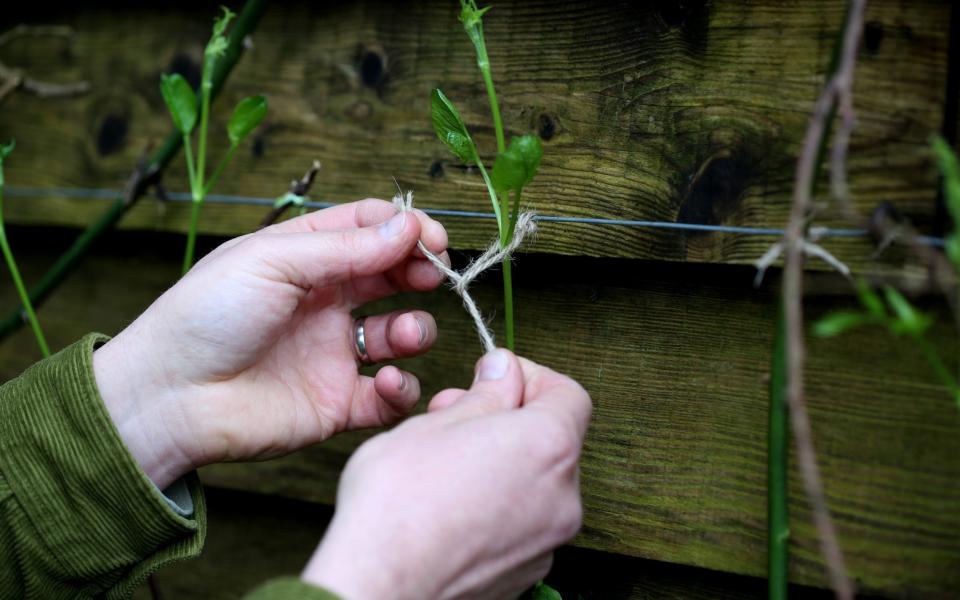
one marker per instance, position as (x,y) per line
(664,111)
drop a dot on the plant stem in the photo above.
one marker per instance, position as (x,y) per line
(515,212)
(508,301)
(837,85)
(191,235)
(483,62)
(494,106)
(216,172)
(493,196)
(246,22)
(21,289)
(191,171)
(778,532)
(505,219)
(506,236)
(202,144)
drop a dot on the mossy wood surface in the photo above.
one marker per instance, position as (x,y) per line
(254,537)
(676,360)
(662,111)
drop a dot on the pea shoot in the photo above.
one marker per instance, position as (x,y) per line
(183,106)
(515,165)
(12,264)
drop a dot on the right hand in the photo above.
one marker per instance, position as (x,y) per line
(469,500)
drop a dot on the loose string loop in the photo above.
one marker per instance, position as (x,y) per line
(460,281)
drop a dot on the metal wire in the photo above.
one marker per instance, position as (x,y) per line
(108,194)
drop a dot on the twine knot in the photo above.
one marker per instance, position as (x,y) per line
(460,281)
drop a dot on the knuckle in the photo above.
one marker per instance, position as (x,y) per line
(255,245)
(485,398)
(348,241)
(556,443)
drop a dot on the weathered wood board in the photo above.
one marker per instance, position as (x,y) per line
(663,111)
(676,360)
(253,538)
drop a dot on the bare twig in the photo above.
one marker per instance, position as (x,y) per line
(12,78)
(298,189)
(246,21)
(838,89)
(809,249)
(843,95)
(46,89)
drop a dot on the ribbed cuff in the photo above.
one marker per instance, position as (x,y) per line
(98,514)
(288,588)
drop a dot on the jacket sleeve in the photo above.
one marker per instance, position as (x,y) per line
(78,517)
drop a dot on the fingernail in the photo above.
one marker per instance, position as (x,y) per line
(403,382)
(423,331)
(493,366)
(394,226)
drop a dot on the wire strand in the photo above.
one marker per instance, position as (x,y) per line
(108,194)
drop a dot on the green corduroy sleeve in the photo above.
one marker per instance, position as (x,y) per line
(78,517)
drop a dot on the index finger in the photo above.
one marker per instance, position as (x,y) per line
(362,213)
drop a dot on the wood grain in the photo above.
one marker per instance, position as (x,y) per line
(676,112)
(253,538)
(676,359)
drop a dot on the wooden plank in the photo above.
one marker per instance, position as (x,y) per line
(676,360)
(661,111)
(253,538)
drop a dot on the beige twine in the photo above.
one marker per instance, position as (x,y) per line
(491,256)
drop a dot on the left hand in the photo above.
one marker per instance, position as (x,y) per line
(251,354)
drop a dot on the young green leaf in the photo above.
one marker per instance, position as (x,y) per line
(218,41)
(870,300)
(246,116)
(516,167)
(472,19)
(450,128)
(181,101)
(909,320)
(542,591)
(470,15)
(6,149)
(837,322)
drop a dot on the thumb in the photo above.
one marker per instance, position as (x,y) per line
(498,387)
(321,258)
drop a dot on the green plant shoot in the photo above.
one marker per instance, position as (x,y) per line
(899,317)
(513,169)
(12,265)
(185,109)
(514,166)
(542,591)
(895,312)
(950,169)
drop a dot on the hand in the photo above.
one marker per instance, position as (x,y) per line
(467,501)
(251,355)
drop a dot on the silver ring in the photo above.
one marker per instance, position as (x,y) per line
(360,342)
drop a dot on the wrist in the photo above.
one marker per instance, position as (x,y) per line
(350,566)
(143,409)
